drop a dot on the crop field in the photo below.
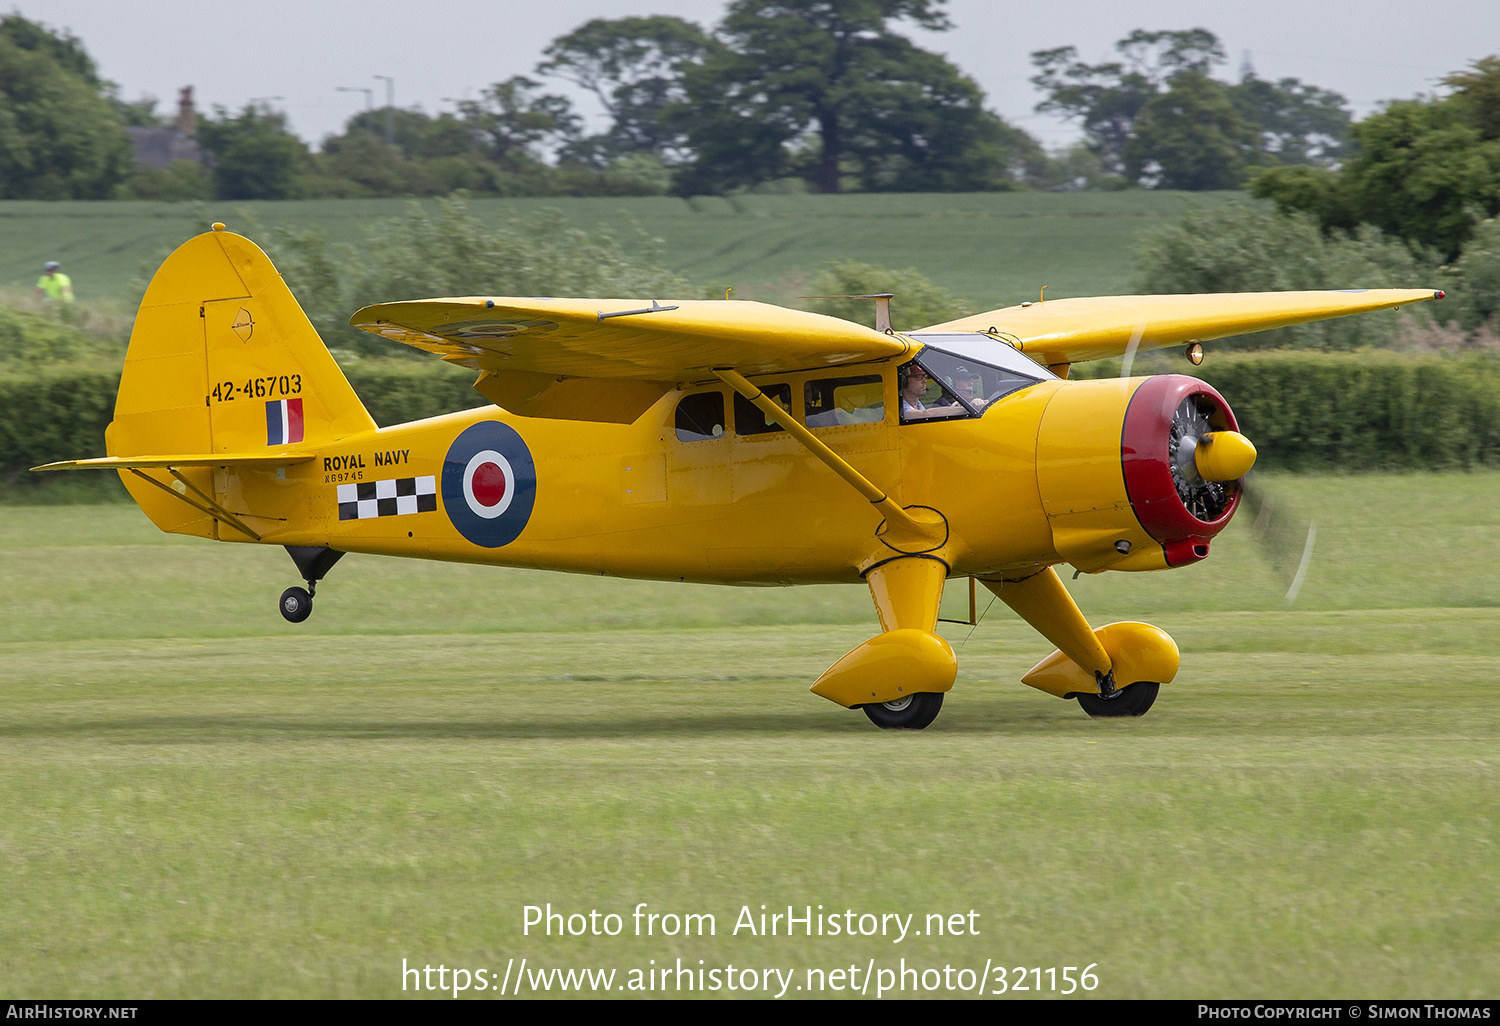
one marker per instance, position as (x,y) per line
(993,249)
(198,799)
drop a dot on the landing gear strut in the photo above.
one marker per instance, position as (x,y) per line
(313,562)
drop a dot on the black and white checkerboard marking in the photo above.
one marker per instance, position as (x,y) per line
(396,497)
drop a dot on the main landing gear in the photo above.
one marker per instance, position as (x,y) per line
(1131,700)
(313,562)
(913,712)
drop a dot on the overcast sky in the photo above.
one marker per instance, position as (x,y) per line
(438,50)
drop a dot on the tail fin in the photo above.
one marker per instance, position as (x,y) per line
(223,360)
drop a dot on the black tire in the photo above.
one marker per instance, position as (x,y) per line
(911,713)
(1133,700)
(296,604)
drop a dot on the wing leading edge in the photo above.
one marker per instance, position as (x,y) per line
(1062,331)
(611,359)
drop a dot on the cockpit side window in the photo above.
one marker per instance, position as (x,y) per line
(924,396)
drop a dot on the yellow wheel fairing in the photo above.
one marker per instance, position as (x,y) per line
(889,667)
(1137,651)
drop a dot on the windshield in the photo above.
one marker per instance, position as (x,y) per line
(988,350)
(964,374)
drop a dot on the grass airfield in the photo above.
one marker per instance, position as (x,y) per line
(198,799)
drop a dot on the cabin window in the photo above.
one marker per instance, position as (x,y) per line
(830,402)
(750,420)
(700,417)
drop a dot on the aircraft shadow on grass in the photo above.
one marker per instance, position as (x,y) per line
(212,729)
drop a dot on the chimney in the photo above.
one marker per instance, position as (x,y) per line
(187,117)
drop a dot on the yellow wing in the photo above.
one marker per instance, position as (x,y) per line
(610,359)
(1075,330)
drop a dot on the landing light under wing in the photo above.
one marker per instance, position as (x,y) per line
(1075,330)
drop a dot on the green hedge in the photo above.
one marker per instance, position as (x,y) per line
(58,412)
(1304,411)
(1363,411)
(396,391)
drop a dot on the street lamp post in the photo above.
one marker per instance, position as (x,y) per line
(390,108)
(369,94)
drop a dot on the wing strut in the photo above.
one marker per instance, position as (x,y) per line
(897,519)
(208,506)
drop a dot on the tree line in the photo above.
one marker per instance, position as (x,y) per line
(819,95)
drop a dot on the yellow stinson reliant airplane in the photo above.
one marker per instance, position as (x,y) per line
(717,441)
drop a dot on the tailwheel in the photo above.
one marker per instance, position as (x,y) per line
(1131,700)
(910,713)
(296,604)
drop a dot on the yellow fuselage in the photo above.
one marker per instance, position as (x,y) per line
(635,501)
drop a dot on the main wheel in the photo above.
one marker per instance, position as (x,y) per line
(296,604)
(1133,700)
(910,713)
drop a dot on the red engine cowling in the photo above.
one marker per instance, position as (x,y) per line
(1166,417)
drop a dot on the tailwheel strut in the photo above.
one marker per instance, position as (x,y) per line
(313,562)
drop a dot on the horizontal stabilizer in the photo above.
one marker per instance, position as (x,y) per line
(1075,330)
(221,459)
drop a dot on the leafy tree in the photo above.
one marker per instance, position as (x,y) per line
(180,180)
(416,134)
(1074,169)
(821,88)
(1156,116)
(1478,273)
(363,160)
(1107,98)
(509,120)
(254,155)
(1477,95)
(1427,169)
(1299,123)
(1247,249)
(1422,172)
(60,136)
(1314,190)
(634,66)
(1191,137)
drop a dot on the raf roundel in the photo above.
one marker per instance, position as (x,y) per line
(489,484)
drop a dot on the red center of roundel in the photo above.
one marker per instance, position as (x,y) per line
(488,484)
